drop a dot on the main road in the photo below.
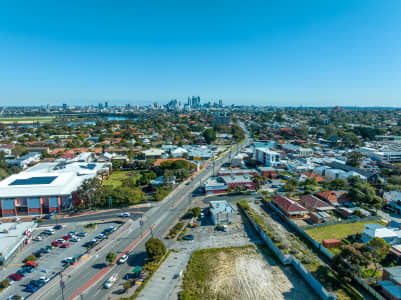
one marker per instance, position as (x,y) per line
(159,218)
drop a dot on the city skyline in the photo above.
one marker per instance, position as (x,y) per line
(261,53)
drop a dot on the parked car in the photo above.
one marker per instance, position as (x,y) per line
(38,253)
(100,236)
(75,239)
(125,215)
(56,243)
(188,237)
(30,288)
(15,297)
(65,245)
(66,237)
(123,259)
(58,227)
(45,250)
(28,269)
(37,238)
(67,260)
(44,279)
(37,283)
(15,276)
(82,234)
(31,263)
(22,272)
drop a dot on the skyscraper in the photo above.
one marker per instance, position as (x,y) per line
(106,104)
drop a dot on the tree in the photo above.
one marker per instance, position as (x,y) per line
(354,159)
(348,262)
(155,249)
(126,286)
(291,185)
(209,135)
(5,283)
(378,249)
(258,181)
(338,184)
(196,211)
(111,257)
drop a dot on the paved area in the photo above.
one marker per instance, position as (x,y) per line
(49,262)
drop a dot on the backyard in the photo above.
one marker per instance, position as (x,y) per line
(338,231)
(117,178)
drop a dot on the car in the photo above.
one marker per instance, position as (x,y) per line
(15,297)
(50,247)
(56,243)
(188,237)
(82,234)
(72,232)
(64,245)
(45,250)
(109,283)
(75,239)
(15,276)
(35,218)
(58,227)
(28,269)
(66,237)
(100,236)
(123,259)
(67,260)
(37,283)
(44,279)
(22,272)
(31,263)
(125,215)
(38,253)
(192,225)
(30,288)
(37,238)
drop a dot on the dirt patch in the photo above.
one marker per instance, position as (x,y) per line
(243,273)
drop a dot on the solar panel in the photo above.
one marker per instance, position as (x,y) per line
(34,180)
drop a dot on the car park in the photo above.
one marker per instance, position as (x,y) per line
(123,259)
(15,297)
(37,283)
(38,253)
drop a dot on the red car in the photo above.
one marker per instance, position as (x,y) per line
(56,243)
(64,245)
(66,237)
(15,276)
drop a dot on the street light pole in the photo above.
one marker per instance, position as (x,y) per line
(62,285)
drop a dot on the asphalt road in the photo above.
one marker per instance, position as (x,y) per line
(162,215)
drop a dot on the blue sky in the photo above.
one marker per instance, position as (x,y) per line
(311,53)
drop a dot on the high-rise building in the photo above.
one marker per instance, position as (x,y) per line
(220,103)
(106,104)
(100,106)
(64,106)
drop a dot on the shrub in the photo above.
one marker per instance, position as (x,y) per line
(155,249)
(30,257)
(111,257)
(5,283)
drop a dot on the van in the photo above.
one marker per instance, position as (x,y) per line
(109,283)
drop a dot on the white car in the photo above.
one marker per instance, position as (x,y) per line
(44,279)
(37,238)
(123,259)
(75,239)
(109,283)
(67,260)
(125,215)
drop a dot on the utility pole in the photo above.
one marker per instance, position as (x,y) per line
(151,230)
(62,285)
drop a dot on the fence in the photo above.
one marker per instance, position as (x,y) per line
(369,289)
(355,220)
(292,260)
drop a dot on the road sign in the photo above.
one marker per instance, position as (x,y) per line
(62,284)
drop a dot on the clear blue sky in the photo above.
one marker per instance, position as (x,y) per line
(334,52)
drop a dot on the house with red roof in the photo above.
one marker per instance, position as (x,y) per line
(289,206)
(329,197)
(314,203)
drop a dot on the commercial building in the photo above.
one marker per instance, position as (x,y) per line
(267,157)
(215,185)
(222,212)
(46,187)
(14,237)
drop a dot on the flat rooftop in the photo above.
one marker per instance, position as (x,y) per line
(16,232)
(221,207)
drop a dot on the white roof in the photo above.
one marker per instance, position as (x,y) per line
(376,230)
(48,179)
(15,234)
(153,152)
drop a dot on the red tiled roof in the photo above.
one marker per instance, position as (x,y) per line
(311,201)
(329,196)
(289,205)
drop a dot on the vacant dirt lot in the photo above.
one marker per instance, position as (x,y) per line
(243,273)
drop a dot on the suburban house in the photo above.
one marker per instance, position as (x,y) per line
(390,235)
(318,217)
(314,203)
(289,206)
(391,283)
(329,196)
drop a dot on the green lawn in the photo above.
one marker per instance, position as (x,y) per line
(117,177)
(25,120)
(338,231)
